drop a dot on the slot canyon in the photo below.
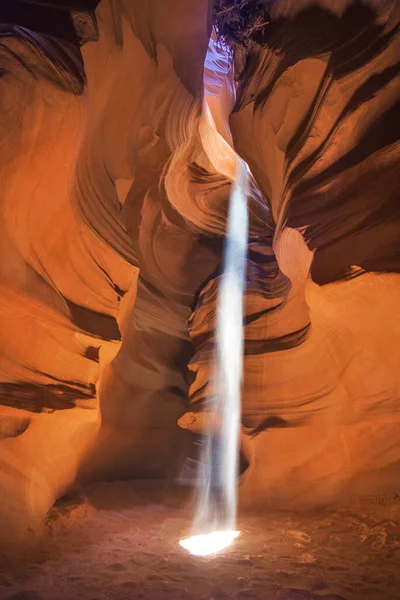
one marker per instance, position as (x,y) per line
(122,123)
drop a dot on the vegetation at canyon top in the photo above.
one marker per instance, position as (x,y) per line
(239,23)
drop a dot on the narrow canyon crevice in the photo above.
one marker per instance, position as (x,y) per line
(120,126)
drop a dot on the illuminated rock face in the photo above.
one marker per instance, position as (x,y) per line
(314,120)
(116,168)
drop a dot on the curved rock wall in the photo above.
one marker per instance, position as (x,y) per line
(315,120)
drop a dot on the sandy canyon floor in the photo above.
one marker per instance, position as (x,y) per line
(120,541)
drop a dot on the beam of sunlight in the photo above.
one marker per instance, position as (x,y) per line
(215,520)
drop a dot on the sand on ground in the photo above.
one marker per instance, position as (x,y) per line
(120,540)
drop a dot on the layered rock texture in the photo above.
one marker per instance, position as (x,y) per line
(120,127)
